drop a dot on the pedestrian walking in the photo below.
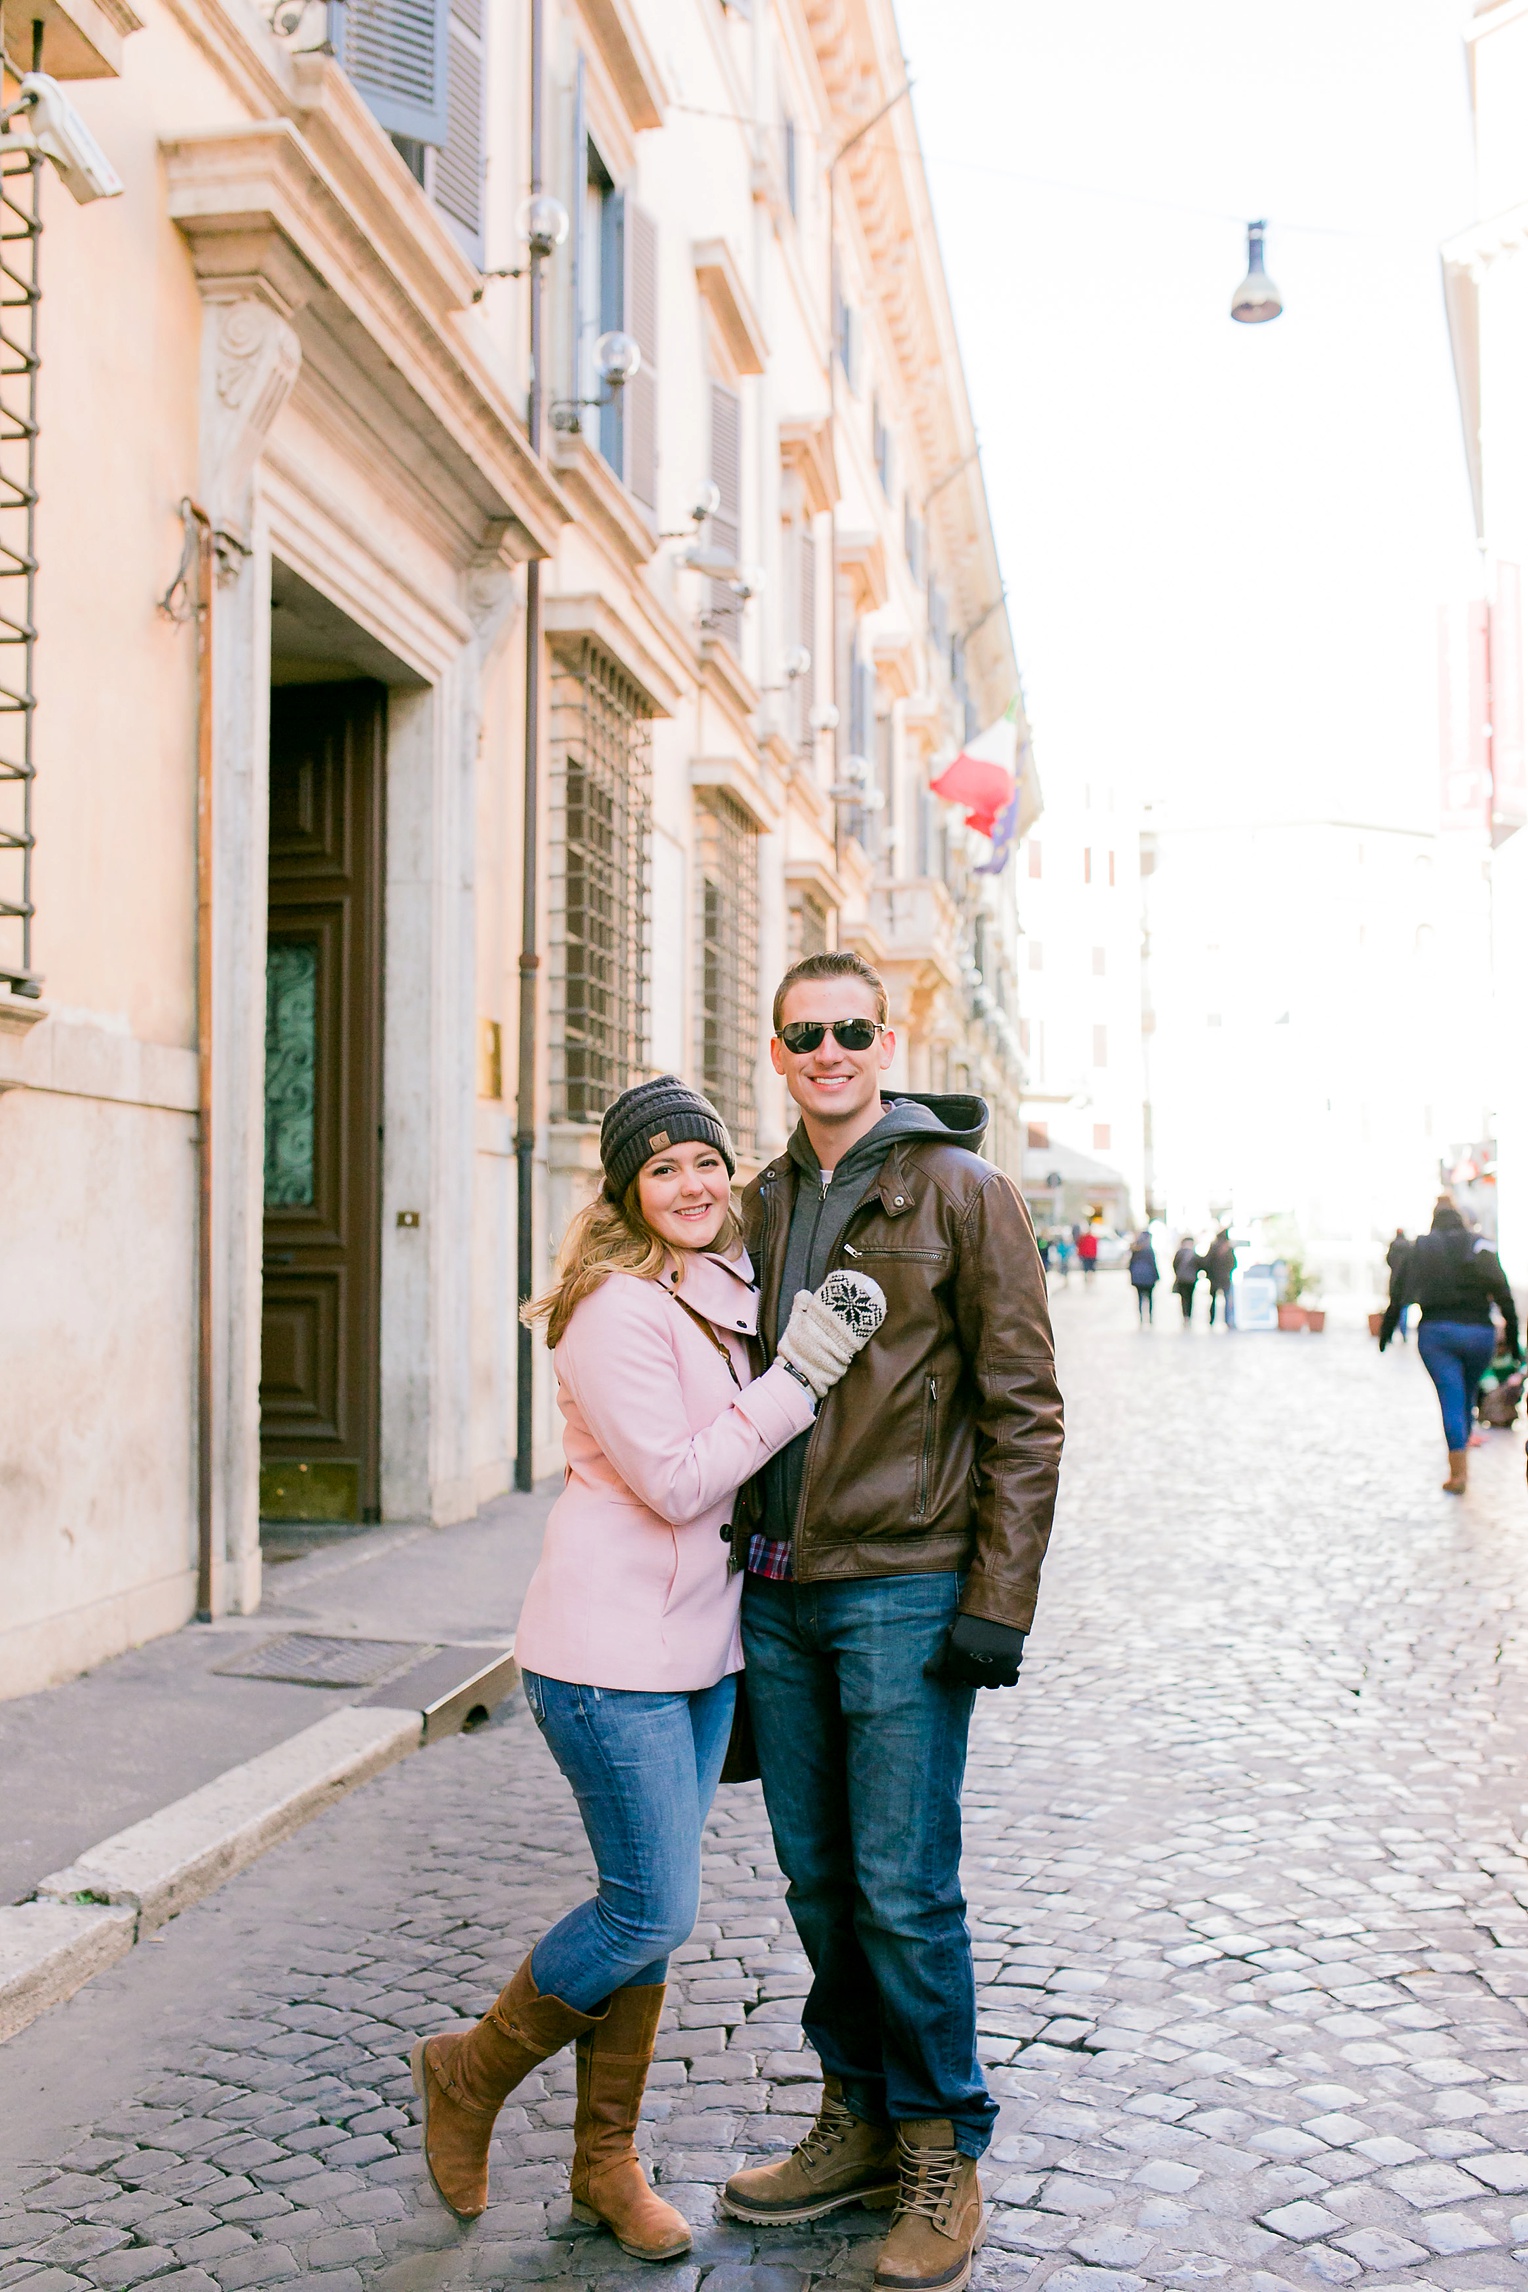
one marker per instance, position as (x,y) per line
(892,1561)
(628,1642)
(1456,1278)
(1087,1252)
(1219,1262)
(1062,1244)
(1186,1271)
(1145,1273)
(1395,1257)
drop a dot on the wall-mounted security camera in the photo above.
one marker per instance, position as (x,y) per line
(45,117)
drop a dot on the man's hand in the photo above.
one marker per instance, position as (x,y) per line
(979,1654)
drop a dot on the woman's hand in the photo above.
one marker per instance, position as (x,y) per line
(829,1326)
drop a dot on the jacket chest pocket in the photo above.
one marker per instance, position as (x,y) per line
(884,1253)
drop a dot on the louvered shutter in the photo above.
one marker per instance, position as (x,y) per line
(641,392)
(457,184)
(395,53)
(726,525)
(806,686)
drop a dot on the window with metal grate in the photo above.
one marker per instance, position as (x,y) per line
(727,952)
(601,866)
(20,233)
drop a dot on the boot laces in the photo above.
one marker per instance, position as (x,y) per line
(928,2179)
(834,2124)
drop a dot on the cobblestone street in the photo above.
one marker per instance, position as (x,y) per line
(1245,1880)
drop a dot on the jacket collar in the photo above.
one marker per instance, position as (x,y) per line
(725,1294)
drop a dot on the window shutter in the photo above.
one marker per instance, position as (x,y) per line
(458,177)
(727,474)
(807,632)
(395,53)
(641,392)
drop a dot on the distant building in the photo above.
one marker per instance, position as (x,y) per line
(1080,1003)
(1485,272)
(1314,1052)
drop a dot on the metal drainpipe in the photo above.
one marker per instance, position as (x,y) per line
(205,587)
(530,959)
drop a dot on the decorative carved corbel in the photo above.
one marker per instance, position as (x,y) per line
(250,359)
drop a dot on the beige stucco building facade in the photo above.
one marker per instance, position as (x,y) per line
(286,503)
(1485,274)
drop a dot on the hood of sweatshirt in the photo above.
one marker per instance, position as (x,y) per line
(955,1119)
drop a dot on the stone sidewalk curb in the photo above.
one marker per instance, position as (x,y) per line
(88,1916)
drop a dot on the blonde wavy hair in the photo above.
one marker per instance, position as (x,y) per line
(611,1237)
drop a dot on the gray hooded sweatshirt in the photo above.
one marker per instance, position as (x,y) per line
(822,1210)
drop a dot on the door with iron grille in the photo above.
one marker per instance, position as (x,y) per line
(323,1095)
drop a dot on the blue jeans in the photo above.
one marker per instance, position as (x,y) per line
(862,1759)
(644,1770)
(1456,1355)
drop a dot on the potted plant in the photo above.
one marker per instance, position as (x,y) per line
(1315,1319)
(1291,1311)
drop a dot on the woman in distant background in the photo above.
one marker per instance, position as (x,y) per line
(1186,1271)
(1456,1278)
(1145,1273)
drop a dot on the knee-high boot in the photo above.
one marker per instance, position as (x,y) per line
(608,2184)
(463,2079)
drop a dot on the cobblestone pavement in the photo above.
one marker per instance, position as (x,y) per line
(1247,1890)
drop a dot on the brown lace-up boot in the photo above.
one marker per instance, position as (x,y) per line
(842,2160)
(939,2220)
(463,2079)
(608,2185)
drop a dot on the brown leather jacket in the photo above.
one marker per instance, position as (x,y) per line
(940,1447)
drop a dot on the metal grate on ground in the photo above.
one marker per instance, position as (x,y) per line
(305,1659)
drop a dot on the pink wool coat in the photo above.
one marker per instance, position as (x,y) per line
(632,1588)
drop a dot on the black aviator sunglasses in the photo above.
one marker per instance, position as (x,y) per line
(849,1034)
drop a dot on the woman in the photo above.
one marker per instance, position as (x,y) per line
(1455,1277)
(1186,1271)
(1145,1273)
(628,1641)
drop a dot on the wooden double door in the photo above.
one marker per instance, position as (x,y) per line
(320,1333)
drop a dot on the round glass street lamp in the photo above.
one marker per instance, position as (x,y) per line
(1257,299)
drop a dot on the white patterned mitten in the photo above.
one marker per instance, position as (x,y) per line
(828,1327)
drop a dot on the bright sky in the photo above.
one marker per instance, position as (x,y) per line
(1225,546)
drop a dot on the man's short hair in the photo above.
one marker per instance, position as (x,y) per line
(838,963)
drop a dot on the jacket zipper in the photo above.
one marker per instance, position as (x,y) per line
(925,1465)
(842,1249)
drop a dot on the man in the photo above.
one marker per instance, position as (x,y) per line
(1087,1251)
(893,1554)
(1220,1265)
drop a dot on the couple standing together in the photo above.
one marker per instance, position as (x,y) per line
(817,1434)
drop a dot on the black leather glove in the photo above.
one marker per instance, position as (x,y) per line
(979,1654)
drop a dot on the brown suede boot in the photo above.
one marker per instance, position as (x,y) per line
(608,2185)
(841,2161)
(939,2220)
(1458,1479)
(463,2079)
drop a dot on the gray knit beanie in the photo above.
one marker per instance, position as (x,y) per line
(654,1115)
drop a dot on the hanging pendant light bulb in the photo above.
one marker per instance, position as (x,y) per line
(1257,299)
